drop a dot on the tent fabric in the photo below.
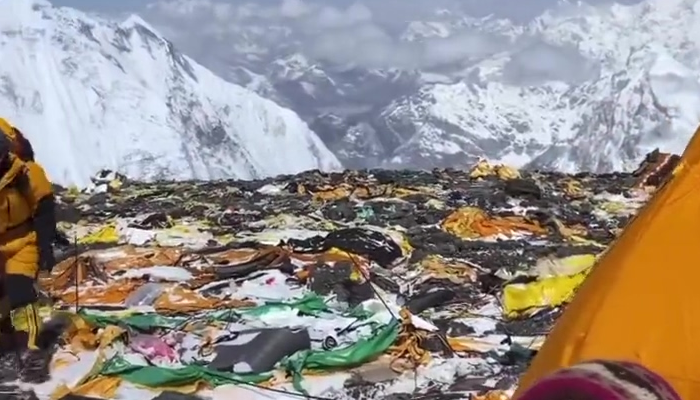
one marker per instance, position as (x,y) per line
(352,355)
(640,301)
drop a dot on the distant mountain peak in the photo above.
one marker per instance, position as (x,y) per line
(92,95)
(582,86)
(134,23)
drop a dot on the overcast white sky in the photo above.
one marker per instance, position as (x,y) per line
(508,8)
(344,31)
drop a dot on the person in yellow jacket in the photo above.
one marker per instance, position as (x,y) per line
(21,147)
(27,232)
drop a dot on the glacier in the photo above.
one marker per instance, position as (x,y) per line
(93,94)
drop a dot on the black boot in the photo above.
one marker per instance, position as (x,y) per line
(34,366)
(14,392)
(9,366)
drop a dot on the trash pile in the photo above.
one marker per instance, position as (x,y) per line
(356,285)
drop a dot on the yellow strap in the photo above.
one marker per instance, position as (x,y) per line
(26,319)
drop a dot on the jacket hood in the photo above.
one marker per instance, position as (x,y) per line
(6,127)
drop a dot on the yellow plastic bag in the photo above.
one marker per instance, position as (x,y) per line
(483,169)
(107,234)
(526,298)
(549,267)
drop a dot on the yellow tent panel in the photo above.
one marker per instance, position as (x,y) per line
(641,301)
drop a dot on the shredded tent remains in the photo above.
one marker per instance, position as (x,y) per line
(375,284)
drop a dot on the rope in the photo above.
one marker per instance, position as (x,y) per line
(408,345)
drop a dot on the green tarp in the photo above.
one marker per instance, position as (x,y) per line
(362,351)
(152,376)
(310,304)
(358,353)
(143,322)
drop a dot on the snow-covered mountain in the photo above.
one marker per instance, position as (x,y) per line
(340,102)
(92,94)
(643,92)
(578,88)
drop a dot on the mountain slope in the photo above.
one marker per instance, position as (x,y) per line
(91,94)
(601,125)
(653,105)
(641,92)
(577,88)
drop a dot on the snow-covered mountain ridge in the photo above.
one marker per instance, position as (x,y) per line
(577,88)
(643,93)
(91,94)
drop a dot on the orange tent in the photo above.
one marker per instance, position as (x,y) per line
(641,302)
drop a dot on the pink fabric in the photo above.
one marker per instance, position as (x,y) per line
(608,380)
(571,388)
(153,348)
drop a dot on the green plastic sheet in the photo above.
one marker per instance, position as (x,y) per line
(358,353)
(144,322)
(152,376)
(362,351)
(311,304)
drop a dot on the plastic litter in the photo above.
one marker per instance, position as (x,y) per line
(146,295)
(260,351)
(315,266)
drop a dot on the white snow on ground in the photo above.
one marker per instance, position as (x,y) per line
(90,94)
